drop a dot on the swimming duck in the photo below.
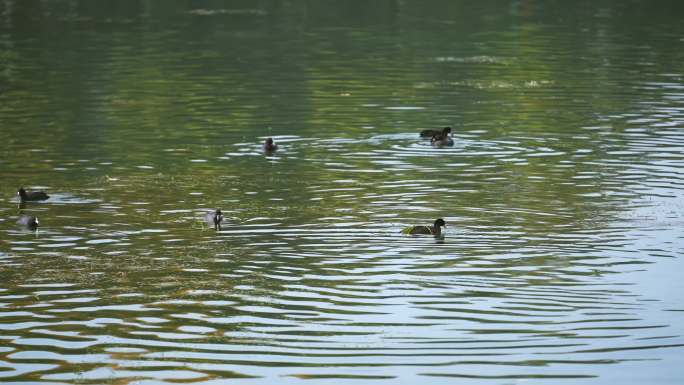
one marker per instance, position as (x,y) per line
(269,146)
(430,133)
(214,219)
(28,221)
(31,195)
(442,140)
(435,229)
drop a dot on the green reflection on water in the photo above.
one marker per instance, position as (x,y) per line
(137,116)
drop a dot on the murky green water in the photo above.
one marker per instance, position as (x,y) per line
(564,192)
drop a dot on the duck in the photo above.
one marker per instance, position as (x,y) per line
(28,221)
(435,229)
(430,133)
(25,196)
(269,146)
(442,140)
(214,218)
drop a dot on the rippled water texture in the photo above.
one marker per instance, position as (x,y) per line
(563,194)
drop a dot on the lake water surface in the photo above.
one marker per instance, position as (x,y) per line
(563,194)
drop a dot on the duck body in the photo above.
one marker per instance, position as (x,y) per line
(28,221)
(214,218)
(269,145)
(430,133)
(26,196)
(435,229)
